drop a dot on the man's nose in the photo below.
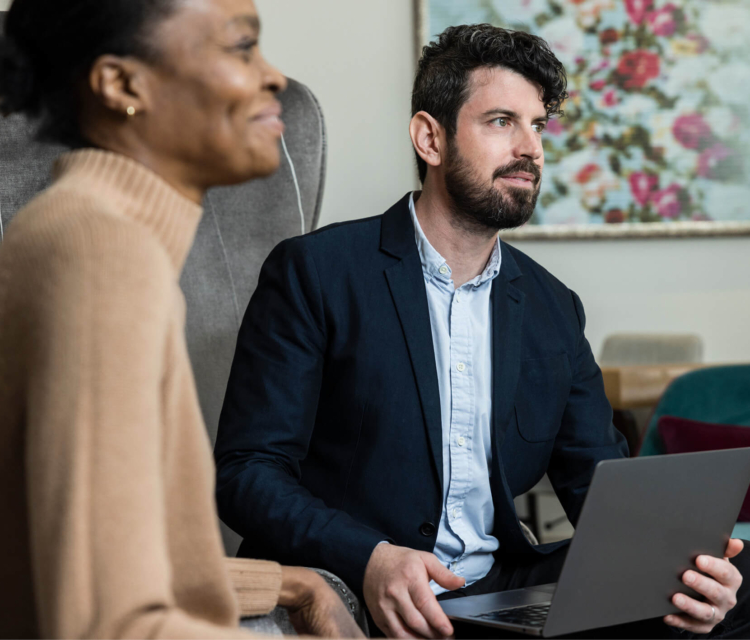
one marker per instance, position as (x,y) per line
(529,144)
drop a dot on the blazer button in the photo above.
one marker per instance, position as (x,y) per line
(427,529)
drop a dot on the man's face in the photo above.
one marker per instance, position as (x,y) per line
(494,163)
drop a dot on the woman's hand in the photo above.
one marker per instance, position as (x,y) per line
(314,608)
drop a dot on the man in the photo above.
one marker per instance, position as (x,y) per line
(399,379)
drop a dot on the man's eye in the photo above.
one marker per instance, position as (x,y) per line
(539,127)
(501,122)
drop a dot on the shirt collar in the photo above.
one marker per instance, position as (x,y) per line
(435,266)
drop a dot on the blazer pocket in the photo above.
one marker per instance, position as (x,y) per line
(543,389)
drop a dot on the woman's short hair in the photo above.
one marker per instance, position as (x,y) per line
(441,86)
(49,46)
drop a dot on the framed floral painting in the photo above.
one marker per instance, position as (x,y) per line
(655,140)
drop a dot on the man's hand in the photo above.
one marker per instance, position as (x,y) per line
(720,591)
(398,594)
(314,608)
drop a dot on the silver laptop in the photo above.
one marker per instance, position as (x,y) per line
(643,523)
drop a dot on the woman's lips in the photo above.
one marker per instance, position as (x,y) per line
(270,117)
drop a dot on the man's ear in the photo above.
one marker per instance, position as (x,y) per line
(428,138)
(119,84)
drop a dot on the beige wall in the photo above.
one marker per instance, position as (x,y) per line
(357,57)
(4,4)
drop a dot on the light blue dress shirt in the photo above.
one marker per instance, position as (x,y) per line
(461,321)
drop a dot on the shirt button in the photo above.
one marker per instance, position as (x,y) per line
(455,513)
(461,441)
(453,566)
(443,269)
(461,366)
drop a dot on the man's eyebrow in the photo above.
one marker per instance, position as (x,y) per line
(512,114)
(250,20)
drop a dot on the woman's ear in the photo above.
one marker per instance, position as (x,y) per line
(119,84)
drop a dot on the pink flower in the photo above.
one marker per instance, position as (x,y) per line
(598,85)
(588,173)
(637,9)
(710,159)
(667,201)
(554,128)
(609,99)
(662,21)
(692,131)
(638,67)
(642,185)
(701,41)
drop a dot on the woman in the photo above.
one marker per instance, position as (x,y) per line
(106,476)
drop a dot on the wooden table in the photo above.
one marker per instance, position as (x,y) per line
(634,386)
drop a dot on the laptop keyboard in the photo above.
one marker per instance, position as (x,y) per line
(532,615)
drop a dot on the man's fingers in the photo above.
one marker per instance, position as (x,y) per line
(426,602)
(442,575)
(702,612)
(415,621)
(734,548)
(396,627)
(687,623)
(715,593)
(722,570)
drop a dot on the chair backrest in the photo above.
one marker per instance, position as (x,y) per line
(715,394)
(240,226)
(621,349)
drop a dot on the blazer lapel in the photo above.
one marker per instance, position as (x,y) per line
(507,321)
(406,283)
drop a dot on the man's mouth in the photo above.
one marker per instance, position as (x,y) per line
(520,179)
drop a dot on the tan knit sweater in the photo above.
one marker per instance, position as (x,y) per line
(107,519)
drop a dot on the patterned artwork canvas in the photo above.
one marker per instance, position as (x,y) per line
(655,139)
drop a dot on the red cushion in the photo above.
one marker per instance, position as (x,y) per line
(684,436)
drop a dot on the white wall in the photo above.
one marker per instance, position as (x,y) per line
(4,5)
(358,59)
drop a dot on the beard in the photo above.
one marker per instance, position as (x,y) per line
(483,207)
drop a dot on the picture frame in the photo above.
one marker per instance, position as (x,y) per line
(651,143)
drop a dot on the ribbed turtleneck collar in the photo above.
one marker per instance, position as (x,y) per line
(138,193)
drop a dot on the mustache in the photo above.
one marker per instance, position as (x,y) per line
(527,166)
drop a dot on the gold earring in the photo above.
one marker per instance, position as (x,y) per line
(130,111)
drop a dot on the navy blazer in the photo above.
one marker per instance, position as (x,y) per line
(330,437)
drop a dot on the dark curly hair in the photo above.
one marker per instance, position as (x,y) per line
(441,86)
(48,46)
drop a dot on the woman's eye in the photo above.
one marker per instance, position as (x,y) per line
(246,47)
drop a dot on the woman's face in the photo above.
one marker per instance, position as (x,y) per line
(212,114)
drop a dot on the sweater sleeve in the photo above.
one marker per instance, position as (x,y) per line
(98,321)
(256,584)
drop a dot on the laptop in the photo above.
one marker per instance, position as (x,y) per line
(643,523)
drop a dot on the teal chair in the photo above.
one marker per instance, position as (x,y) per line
(717,394)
